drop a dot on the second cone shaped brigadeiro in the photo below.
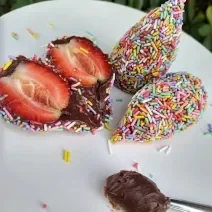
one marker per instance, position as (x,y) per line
(148,49)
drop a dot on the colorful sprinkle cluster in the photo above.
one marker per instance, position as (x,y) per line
(71,126)
(162,108)
(148,49)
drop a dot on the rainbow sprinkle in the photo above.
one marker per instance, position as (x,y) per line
(109,147)
(51,26)
(209,132)
(148,49)
(92,37)
(12,57)
(44,206)
(84,50)
(7,65)
(14,35)
(3,97)
(34,34)
(168,150)
(66,156)
(136,166)
(107,126)
(163,149)
(119,100)
(162,108)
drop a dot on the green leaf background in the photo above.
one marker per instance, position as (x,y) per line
(197,16)
(209,14)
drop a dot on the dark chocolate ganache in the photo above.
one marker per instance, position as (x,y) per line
(133,192)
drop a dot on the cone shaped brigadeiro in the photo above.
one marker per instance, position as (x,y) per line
(148,49)
(162,109)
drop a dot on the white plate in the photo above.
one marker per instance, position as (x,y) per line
(32,169)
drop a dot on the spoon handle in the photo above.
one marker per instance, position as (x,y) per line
(184,206)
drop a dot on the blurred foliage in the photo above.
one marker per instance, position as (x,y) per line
(197,18)
(9,5)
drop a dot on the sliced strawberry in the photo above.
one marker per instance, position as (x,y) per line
(79,58)
(34,92)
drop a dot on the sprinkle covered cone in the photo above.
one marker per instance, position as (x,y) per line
(162,108)
(148,49)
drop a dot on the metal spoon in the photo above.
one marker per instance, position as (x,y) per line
(185,206)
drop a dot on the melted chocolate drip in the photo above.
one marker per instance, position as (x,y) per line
(134,192)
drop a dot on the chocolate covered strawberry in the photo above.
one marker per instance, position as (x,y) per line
(33,92)
(69,91)
(79,58)
(86,67)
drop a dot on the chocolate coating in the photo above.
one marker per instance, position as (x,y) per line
(77,109)
(134,192)
(96,94)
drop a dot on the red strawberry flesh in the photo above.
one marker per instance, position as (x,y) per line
(34,92)
(79,58)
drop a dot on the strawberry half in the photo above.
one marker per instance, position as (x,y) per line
(34,92)
(79,58)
